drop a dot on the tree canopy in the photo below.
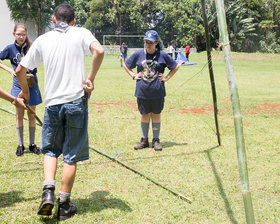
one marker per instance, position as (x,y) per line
(253,24)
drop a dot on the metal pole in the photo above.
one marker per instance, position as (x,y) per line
(210,68)
(240,143)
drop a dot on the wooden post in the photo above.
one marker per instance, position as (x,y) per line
(210,68)
(240,143)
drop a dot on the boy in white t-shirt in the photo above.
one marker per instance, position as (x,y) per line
(170,50)
(62,51)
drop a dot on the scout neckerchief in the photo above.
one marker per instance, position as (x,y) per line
(21,47)
(149,69)
(62,27)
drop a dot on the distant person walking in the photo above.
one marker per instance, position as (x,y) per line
(150,89)
(170,50)
(65,126)
(187,50)
(15,52)
(176,51)
(123,50)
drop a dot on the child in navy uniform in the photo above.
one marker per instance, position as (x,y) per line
(150,89)
(123,50)
(14,52)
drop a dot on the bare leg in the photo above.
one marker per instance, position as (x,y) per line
(68,177)
(156,118)
(19,116)
(146,118)
(31,118)
(50,165)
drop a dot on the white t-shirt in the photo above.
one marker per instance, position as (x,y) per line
(170,49)
(63,55)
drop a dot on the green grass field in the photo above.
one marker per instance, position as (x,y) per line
(191,162)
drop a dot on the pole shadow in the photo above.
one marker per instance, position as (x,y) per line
(220,185)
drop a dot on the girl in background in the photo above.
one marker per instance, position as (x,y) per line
(14,52)
(176,51)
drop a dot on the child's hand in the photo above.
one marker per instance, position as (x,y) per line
(162,78)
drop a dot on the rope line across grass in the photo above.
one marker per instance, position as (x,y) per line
(125,165)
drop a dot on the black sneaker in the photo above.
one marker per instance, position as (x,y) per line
(66,209)
(144,143)
(20,150)
(156,145)
(47,203)
(33,148)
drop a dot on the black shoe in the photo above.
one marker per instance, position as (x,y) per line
(33,148)
(20,150)
(47,203)
(66,209)
(144,143)
(156,145)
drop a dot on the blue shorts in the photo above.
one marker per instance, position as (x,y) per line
(148,106)
(65,131)
(123,55)
(35,94)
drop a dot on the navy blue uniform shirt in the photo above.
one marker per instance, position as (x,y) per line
(150,87)
(14,53)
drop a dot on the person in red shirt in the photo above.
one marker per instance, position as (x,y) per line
(188,47)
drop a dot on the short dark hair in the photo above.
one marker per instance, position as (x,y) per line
(64,13)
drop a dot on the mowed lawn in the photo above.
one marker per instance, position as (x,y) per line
(191,162)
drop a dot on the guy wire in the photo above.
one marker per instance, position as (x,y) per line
(196,74)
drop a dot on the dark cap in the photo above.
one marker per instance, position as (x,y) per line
(151,35)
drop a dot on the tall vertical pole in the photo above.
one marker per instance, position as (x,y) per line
(39,21)
(210,68)
(240,144)
(120,29)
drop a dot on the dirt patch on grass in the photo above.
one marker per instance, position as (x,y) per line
(268,107)
(99,106)
(132,105)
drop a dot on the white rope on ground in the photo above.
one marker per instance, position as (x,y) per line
(7,126)
(180,196)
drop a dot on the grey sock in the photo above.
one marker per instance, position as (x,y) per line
(20,135)
(156,130)
(63,196)
(145,129)
(49,182)
(32,135)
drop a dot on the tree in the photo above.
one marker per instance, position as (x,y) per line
(37,11)
(180,23)
(122,16)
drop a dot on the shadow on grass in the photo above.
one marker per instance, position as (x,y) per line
(220,185)
(49,219)
(12,197)
(20,171)
(95,203)
(98,202)
(170,144)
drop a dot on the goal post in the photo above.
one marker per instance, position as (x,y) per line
(125,36)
